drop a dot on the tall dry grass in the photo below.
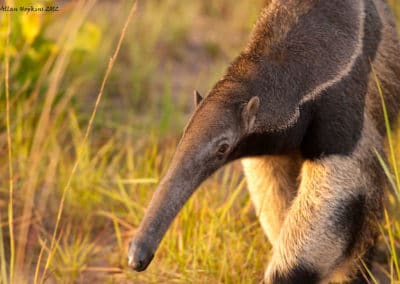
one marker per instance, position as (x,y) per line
(9,150)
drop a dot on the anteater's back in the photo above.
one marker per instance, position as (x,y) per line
(314,54)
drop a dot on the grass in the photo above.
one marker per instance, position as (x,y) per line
(392,224)
(85,138)
(104,174)
(10,166)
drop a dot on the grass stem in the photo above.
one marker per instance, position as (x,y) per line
(87,132)
(9,151)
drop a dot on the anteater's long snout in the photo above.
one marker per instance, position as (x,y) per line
(168,199)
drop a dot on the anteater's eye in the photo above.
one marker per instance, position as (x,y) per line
(222,150)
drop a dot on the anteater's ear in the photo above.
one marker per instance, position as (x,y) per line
(197,98)
(249,113)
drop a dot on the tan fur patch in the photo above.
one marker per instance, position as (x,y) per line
(272,183)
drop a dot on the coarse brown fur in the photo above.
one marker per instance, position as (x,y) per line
(301,106)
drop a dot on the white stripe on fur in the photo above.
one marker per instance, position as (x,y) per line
(343,73)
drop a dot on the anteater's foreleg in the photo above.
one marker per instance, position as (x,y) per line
(332,223)
(272,182)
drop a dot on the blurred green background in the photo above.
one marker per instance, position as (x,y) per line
(57,61)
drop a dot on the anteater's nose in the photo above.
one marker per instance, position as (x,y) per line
(139,256)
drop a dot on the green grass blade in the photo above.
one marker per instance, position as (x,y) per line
(392,152)
(388,174)
(393,250)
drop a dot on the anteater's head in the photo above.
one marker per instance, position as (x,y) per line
(209,140)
